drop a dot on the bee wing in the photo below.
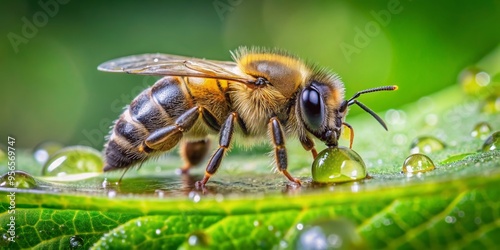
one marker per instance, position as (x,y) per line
(172,65)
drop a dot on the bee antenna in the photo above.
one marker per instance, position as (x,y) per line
(353,100)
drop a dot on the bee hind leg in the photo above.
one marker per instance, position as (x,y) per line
(280,154)
(226,134)
(166,138)
(192,153)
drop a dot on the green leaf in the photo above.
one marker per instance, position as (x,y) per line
(454,206)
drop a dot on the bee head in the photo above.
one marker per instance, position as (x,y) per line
(319,109)
(322,108)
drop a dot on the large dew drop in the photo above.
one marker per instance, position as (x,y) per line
(492,142)
(338,164)
(17,179)
(73,160)
(426,145)
(417,163)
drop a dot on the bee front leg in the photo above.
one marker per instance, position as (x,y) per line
(308,145)
(166,138)
(280,154)
(226,134)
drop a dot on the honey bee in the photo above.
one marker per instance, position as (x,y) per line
(262,93)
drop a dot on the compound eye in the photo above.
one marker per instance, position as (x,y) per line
(312,108)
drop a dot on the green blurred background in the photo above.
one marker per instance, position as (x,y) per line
(51,90)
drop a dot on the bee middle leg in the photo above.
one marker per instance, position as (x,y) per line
(280,154)
(226,134)
(193,152)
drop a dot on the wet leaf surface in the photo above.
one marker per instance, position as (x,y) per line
(246,206)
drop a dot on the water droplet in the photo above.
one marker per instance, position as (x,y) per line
(481,130)
(160,193)
(299,226)
(111,193)
(75,242)
(17,179)
(194,196)
(450,219)
(399,139)
(198,239)
(478,220)
(474,80)
(339,164)
(283,244)
(219,197)
(395,117)
(417,163)
(73,160)
(491,105)
(45,150)
(336,233)
(158,231)
(492,142)
(431,119)
(256,223)
(426,145)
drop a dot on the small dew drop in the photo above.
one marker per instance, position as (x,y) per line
(399,139)
(338,164)
(395,117)
(270,228)
(417,163)
(478,221)
(283,244)
(426,145)
(45,150)
(194,196)
(75,242)
(160,193)
(338,233)
(138,223)
(491,105)
(111,193)
(474,80)
(431,119)
(17,179)
(300,226)
(158,231)
(450,219)
(73,160)
(492,142)
(198,239)
(481,130)
(219,197)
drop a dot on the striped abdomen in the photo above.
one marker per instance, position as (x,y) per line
(155,108)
